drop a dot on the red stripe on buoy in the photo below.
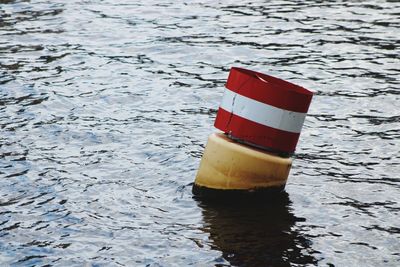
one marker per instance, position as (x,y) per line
(255,133)
(269,90)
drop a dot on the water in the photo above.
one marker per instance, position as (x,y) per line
(105,108)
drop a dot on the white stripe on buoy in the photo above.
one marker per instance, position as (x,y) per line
(267,115)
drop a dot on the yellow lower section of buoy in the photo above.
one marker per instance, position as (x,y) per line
(229,165)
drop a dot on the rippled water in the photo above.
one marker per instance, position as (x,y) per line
(105,107)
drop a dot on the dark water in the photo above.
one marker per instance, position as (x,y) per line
(105,107)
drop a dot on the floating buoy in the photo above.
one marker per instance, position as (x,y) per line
(261,119)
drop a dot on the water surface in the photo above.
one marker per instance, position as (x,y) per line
(105,108)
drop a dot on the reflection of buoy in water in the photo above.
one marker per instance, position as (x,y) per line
(261,117)
(249,232)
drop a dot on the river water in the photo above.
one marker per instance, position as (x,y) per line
(105,108)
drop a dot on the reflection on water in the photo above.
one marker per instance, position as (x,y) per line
(257,232)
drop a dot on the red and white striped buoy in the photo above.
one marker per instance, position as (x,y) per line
(261,117)
(262,110)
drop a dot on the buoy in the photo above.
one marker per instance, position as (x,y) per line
(261,119)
